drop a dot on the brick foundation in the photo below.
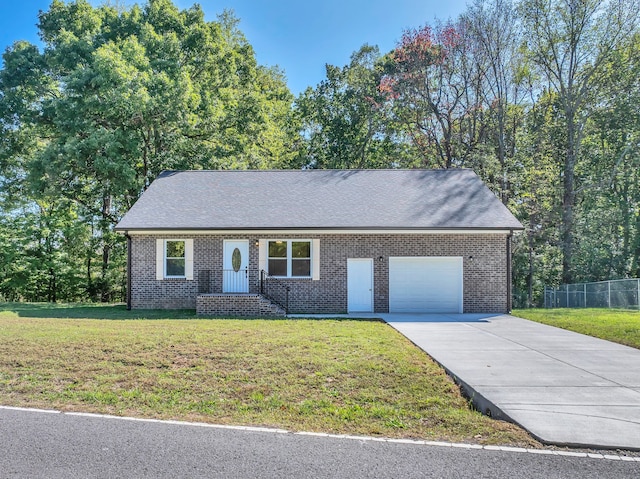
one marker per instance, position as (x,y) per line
(236,306)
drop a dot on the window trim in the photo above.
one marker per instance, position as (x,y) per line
(160,261)
(289,242)
(165,258)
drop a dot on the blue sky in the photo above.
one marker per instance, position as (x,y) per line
(300,36)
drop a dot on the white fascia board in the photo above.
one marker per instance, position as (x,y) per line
(311,232)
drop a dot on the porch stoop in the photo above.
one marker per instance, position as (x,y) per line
(246,305)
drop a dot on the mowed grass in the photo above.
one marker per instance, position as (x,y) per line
(355,377)
(620,326)
(91,311)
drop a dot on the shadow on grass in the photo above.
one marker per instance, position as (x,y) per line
(92,311)
(119,312)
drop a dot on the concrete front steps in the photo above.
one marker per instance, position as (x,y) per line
(238,305)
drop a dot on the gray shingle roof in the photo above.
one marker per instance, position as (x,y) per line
(321,199)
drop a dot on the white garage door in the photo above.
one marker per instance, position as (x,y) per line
(425,284)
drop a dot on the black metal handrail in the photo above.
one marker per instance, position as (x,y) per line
(245,281)
(275,290)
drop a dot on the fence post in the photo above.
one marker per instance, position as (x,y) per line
(638,297)
(608,294)
(585,294)
(566,287)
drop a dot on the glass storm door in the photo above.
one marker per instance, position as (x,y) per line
(235,266)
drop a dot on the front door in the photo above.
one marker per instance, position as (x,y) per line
(360,285)
(235,266)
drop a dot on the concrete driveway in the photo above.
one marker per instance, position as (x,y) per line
(563,387)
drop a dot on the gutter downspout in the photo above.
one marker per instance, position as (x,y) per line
(126,234)
(509,299)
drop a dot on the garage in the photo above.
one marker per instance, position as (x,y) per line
(425,284)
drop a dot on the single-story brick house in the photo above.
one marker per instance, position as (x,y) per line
(319,241)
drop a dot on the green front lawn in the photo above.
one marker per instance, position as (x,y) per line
(90,311)
(611,324)
(355,377)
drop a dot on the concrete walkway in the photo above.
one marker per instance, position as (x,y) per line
(564,388)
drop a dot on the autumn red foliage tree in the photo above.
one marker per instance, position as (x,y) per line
(434,91)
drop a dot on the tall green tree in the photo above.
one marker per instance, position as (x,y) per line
(433,83)
(608,221)
(537,250)
(119,94)
(571,42)
(344,120)
(494,32)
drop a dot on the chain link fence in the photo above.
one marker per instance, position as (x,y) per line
(619,293)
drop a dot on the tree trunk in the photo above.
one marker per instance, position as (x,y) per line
(105,293)
(530,235)
(624,268)
(105,290)
(52,295)
(569,198)
(636,251)
(89,282)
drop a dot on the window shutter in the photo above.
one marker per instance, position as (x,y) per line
(262,255)
(159,259)
(188,258)
(315,259)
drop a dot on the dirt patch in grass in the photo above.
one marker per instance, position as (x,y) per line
(620,326)
(356,377)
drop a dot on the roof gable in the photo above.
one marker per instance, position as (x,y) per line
(318,199)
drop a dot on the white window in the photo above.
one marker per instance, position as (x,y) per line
(174,258)
(289,258)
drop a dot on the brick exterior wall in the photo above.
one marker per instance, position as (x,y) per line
(484,269)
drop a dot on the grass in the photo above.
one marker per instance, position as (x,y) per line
(619,326)
(91,311)
(355,377)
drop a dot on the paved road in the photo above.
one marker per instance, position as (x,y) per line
(46,445)
(563,387)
